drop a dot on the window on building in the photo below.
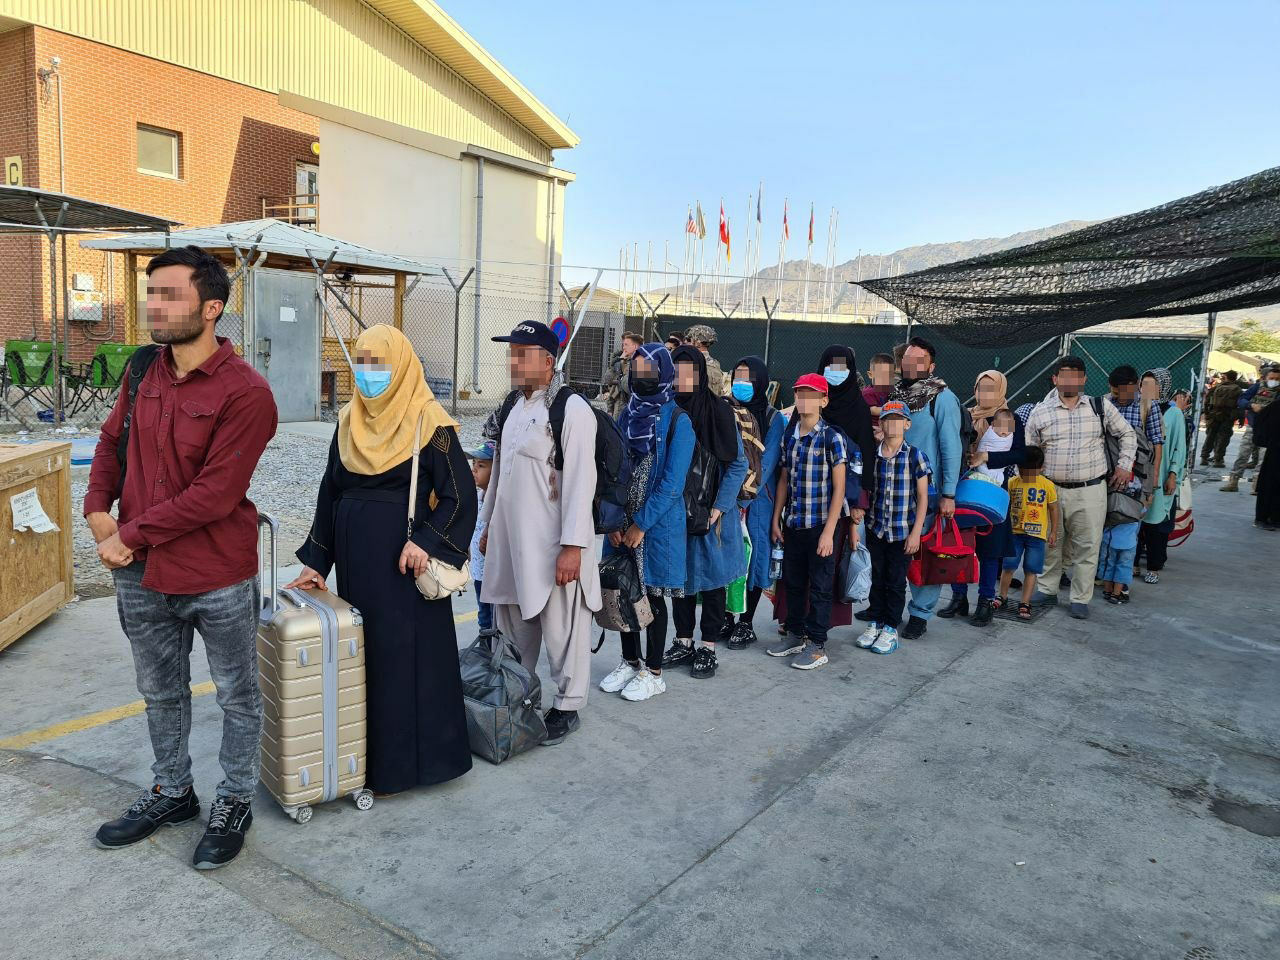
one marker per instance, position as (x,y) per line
(158,152)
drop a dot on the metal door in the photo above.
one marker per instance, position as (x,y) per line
(286,340)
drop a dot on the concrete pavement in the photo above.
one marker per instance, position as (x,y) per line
(1099,789)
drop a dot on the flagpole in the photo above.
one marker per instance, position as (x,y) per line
(747,259)
(808,263)
(755,280)
(782,247)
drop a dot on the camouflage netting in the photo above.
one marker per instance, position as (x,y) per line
(1215,250)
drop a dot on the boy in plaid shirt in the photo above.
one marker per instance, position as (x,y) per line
(812,484)
(899,489)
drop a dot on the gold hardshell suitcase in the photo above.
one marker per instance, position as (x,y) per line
(311,670)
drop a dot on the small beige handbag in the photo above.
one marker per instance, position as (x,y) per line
(439,579)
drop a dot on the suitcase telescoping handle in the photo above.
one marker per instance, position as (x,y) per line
(267,565)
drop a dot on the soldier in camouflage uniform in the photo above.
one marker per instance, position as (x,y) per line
(704,337)
(1253,401)
(617,380)
(1220,415)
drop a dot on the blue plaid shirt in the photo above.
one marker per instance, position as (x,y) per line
(893,493)
(1132,412)
(808,461)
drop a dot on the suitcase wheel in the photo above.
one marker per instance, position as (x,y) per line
(303,814)
(364,800)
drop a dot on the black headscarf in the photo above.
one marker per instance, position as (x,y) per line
(846,408)
(758,405)
(713,421)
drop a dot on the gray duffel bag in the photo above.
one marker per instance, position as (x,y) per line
(503,700)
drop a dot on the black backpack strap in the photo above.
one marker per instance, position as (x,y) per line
(555,417)
(136,370)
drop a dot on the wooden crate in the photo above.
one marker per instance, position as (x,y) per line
(35,568)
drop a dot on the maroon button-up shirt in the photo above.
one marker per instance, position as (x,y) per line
(193,447)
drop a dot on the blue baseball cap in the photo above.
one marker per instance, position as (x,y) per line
(534,334)
(482,452)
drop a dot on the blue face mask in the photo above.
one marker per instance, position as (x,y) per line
(372,382)
(836,377)
(743,390)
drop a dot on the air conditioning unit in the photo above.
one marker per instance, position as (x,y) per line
(82,281)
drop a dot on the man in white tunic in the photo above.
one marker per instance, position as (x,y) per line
(541,572)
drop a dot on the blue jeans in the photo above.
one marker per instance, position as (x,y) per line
(160,628)
(484,611)
(1028,553)
(1116,565)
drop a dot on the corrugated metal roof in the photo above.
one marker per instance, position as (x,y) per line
(404,61)
(23,209)
(287,246)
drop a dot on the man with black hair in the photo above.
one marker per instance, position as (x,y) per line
(183,549)
(935,430)
(1071,428)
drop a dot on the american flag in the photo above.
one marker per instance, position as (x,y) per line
(689,225)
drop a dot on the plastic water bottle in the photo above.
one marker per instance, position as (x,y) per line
(775,563)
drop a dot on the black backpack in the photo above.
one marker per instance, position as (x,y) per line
(968,432)
(701,483)
(613,456)
(137,368)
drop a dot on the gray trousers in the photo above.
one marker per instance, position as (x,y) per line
(564,628)
(1248,453)
(160,628)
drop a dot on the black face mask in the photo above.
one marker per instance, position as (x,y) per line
(909,382)
(645,386)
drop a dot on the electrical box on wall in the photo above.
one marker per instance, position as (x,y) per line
(86,306)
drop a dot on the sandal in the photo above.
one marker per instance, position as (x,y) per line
(998,602)
(1123,595)
(1024,611)
(1111,597)
(1151,577)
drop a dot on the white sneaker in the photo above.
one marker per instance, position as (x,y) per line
(868,636)
(643,686)
(887,642)
(622,674)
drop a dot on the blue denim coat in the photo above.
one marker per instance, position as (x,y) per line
(718,557)
(760,510)
(662,517)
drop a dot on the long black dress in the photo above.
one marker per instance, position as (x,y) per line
(1266,433)
(417,730)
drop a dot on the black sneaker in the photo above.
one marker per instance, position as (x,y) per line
(982,616)
(958,607)
(704,663)
(229,821)
(863,615)
(915,629)
(149,813)
(560,723)
(741,636)
(677,653)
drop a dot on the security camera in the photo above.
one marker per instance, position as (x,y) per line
(56,62)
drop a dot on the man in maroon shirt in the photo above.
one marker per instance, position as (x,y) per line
(184,550)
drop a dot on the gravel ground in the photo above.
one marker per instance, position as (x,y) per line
(284,485)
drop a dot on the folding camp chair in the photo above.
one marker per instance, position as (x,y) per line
(103,374)
(29,370)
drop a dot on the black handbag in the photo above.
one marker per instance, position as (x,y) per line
(502,699)
(624,606)
(700,487)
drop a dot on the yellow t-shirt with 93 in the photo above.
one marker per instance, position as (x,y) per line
(1029,505)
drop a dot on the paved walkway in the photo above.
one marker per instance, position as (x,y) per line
(1106,789)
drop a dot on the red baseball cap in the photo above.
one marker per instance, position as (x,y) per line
(812,381)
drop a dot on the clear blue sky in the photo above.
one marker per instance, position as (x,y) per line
(919,121)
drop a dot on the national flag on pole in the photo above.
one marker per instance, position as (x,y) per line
(724,232)
(759,197)
(811,224)
(690,226)
(702,224)
(786,229)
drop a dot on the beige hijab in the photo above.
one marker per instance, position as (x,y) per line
(981,413)
(376,433)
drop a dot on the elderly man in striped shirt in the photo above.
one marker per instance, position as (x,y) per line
(1072,431)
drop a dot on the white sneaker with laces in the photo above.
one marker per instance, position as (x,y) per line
(887,642)
(643,686)
(622,674)
(868,636)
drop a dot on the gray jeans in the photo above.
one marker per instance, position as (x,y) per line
(160,627)
(1248,453)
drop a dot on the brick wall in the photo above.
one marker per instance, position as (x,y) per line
(237,145)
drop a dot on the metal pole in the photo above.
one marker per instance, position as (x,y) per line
(457,331)
(768,325)
(551,251)
(1198,398)
(475,343)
